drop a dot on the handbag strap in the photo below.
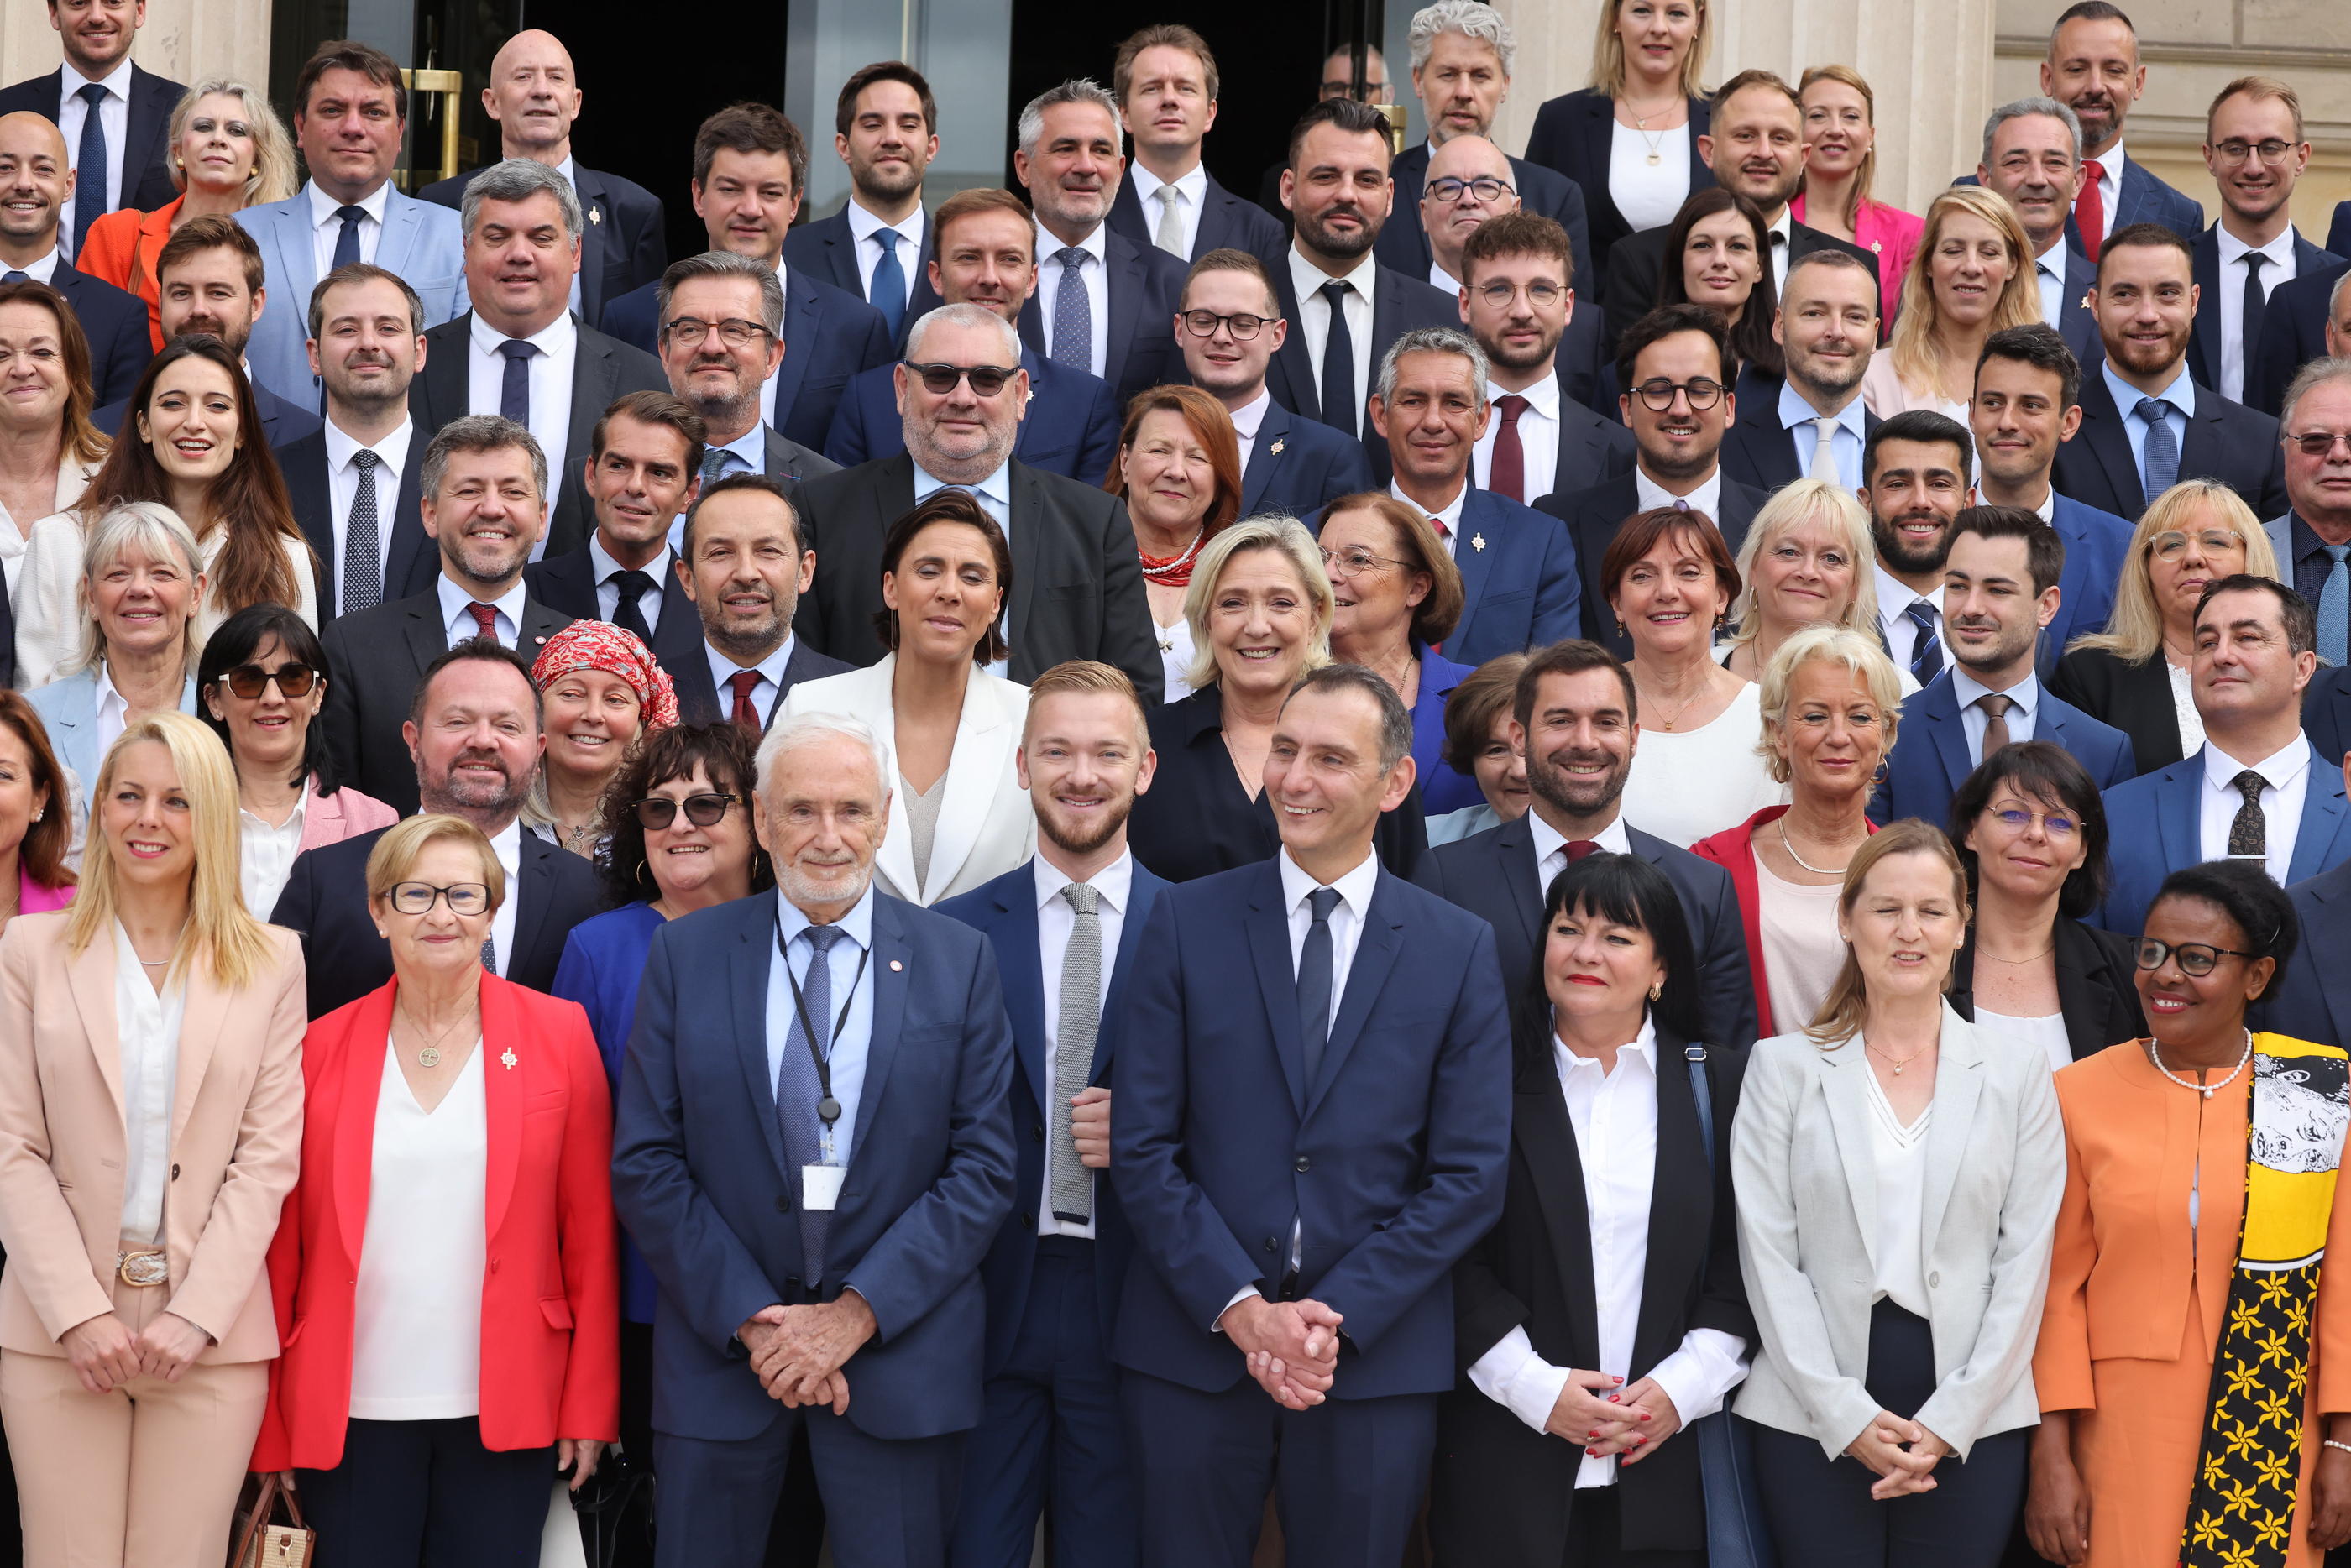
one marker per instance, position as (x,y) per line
(263,1498)
(293,1502)
(1703,1093)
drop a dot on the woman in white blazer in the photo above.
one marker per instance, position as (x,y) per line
(958,814)
(1897,1172)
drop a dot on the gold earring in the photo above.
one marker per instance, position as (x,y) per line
(1657,991)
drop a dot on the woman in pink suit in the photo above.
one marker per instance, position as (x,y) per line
(36,826)
(1841,124)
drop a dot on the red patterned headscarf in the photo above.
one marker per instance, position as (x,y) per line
(599,645)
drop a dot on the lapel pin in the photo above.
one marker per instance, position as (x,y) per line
(595,214)
(1477,543)
(508,1058)
(1275,450)
(895,966)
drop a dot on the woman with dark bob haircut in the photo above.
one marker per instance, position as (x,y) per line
(1566,1443)
(2032,832)
(35,815)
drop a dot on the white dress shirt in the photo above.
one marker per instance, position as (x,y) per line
(41,269)
(1112,885)
(267,855)
(114,119)
(763,695)
(326,228)
(457,616)
(506,845)
(1648,494)
(147,1022)
(1440,278)
(911,250)
(1306,281)
(1447,517)
(1796,417)
(1094,266)
(550,386)
(113,712)
(1900,632)
(608,584)
(343,488)
(1551,849)
(846,1053)
(2023,705)
(1246,421)
(757,459)
(1776,235)
(1194,187)
(2285,777)
(2277,267)
(1538,436)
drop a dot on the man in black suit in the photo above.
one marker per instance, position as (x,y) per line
(1103,303)
(1077,587)
(1518,301)
(33,184)
(2302,322)
(2254,248)
(534,96)
(1756,148)
(886,130)
(120,160)
(1166,80)
(1576,709)
(473,739)
(2032,156)
(2145,303)
(484,506)
(1671,357)
(745,567)
(520,353)
(1812,421)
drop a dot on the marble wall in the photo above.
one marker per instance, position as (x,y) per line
(183,39)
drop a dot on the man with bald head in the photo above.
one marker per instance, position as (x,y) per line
(115,118)
(1469,182)
(534,96)
(34,182)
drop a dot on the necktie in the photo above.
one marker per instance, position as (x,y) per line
(1074,314)
(629,616)
(1995,712)
(1577,849)
(1339,410)
(2249,833)
(1825,462)
(2249,325)
(799,1088)
(2159,459)
(744,682)
(1170,237)
(490,954)
(2090,209)
(347,238)
(363,540)
(1314,981)
(13,275)
(89,165)
(1507,475)
(1437,524)
(1927,647)
(714,465)
(888,292)
(487,617)
(2334,607)
(514,393)
(1073,1188)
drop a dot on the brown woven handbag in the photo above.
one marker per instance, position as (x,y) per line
(264,1542)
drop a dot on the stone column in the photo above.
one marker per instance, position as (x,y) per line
(184,40)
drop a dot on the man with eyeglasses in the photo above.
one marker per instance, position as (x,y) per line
(1517,300)
(1468,184)
(2254,145)
(2312,539)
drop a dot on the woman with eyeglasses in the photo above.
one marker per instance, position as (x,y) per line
(445,1275)
(2134,675)
(603,695)
(264,678)
(1718,254)
(1973,276)
(1479,743)
(1179,472)
(1841,127)
(2194,1368)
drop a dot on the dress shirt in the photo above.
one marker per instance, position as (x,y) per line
(771,678)
(457,618)
(2110,183)
(1306,281)
(1796,417)
(1615,1115)
(1148,186)
(847,1054)
(2277,267)
(2287,775)
(608,587)
(113,712)
(1898,631)
(2180,395)
(570,173)
(326,228)
(1095,270)
(749,452)
(1347,916)
(1112,885)
(41,269)
(267,852)
(343,488)
(506,845)
(550,386)
(147,1024)
(1538,436)
(1551,847)
(1777,234)
(758,457)
(911,250)
(1246,421)
(1449,515)
(114,119)
(1648,494)
(2023,704)
(2049,272)
(1440,278)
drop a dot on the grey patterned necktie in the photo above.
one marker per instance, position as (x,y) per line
(2249,833)
(797,1090)
(490,954)
(1074,314)
(363,540)
(1071,1184)
(1170,237)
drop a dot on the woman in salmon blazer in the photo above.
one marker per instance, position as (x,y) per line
(150,1114)
(447,1276)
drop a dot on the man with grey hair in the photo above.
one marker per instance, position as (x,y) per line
(2312,539)
(1103,303)
(1517,570)
(2032,156)
(519,353)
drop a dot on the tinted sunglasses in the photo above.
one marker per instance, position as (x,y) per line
(987,380)
(246,681)
(656,812)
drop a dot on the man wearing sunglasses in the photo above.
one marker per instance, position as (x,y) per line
(2254,147)
(2310,536)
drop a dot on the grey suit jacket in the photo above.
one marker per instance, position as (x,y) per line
(1808,1189)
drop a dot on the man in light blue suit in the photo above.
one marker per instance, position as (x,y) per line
(351,109)
(813,1150)
(2258,790)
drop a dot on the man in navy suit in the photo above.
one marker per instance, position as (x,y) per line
(2094,68)
(2306,319)
(2309,537)
(2032,156)
(750,170)
(1576,718)
(123,160)
(2258,789)
(987,257)
(1517,300)
(813,1149)
(886,130)
(1066,929)
(1166,81)
(745,563)
(2000,589)
(1290,466)
(1916,473)
(2254,248)
(36,180)
(1826,328)
(1314,1135)
(2310,999)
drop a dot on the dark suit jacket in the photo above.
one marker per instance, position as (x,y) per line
(1929,761)
(2158,815)
(1593,517)
(1572,134)
(2096,994)
(1146,283)
(1077,585)
(1227,221)
(2132,697)
(789,459)
(2338,230)
(2311,1000)
(2097,544)
(697,695)
(2227,441)
(413,561)
(2204,342)
(1758,452)
(1070,426)
(2327,712)
(326,904)
(623,245)
(115,322)
(281,421)
(1519,581)
(1636,264)
(566,584)
(374,660)
(1399,303)
(2146,199)
(603,369)
(146,154)
(1299,465)
(2075,321)
(2294,331)
(825,249)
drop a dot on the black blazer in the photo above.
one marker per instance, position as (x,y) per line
(1572,134)
(825,248)
(1503,1493)
(1757,450)
(414,560)
(281,420)
(374,660)
(623,245)
(1077,585)
(1637,264)
(566,584)
(2293,328)
(2326,712)
(1146,283)
(2096,992)
(2204,341)
(115,322)
(326,904)
(789,459)
(146,166)
(602,369)
(1198,820)
(2228,442)
(1593,517)
(1227,221)
(2132,697)
(697,694)
(1399,303)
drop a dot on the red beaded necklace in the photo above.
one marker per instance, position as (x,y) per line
(1172,571)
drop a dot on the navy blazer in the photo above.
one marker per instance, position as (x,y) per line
(1592,518)
(1299,465)
(825,249)
(2294,329)
(1399,303)
(1757,450)
(1227,221)
(2096,544)
(623,246)
(1070,426)
(2204,341)
(146,153)
(1930,759)
(2311,999)
(567,585)
(413,561)
(281,421)
(2327,712)
(697,694)
(2159,810)
(1519,582)
(1146,283)
(1005,912)
(2076,322)
(2226,440)
(2146,199)
(701,1179)
(1389,1163)
(2338,230)
(115,322)
(1572,134)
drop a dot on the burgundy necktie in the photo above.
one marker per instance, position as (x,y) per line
(1507,475)
(487,617)
(744,682)
(1577,849)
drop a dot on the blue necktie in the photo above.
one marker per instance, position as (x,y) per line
(514,393)
(797,1090)
(1314,982)
(1339,410)
(347,239)
(2334,607)
(1927,648)
(888,294)
(2160,461)
(1073,316)
(89,166)
(13,275)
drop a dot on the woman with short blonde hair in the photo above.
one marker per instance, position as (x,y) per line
(1974,276)
(1808,560)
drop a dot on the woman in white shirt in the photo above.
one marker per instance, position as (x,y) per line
(1179,472)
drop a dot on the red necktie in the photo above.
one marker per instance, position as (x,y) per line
(744,682)
(487,617)
(1442,531)
(1577,849)
(2090,209)
(1507,475)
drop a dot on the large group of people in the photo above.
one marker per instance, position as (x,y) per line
(1595,858)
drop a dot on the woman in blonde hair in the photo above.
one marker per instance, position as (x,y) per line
(1973,277)
(1806,561)
(1841,125)
(1895,1221)
(2134,675)
(150,1117)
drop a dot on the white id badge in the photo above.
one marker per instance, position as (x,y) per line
(821,1186)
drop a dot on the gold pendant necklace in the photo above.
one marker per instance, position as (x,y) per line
(429,1054)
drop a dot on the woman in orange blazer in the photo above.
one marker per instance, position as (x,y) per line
(447,1274)
(150,1116)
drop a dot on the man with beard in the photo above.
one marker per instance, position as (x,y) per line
(2032,156)
(2254,147)
(745,565)
(209,279)
(1102,303)
(484,505)
(473,739)
(1575,721)
(1166,80)
(122,145)
(1915,477)
(1065,929)
(2146,424)
(886,130)
(33,183)
(1338,81)
(2000,591)
(1811,423)
(2094,68)
(1517,300)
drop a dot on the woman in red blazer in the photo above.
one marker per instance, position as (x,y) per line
(445,1277)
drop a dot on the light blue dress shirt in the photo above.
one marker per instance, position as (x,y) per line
(850,1052)
(2180,395)
(749,452)
(995,493)
(1796,418)
(2023,705)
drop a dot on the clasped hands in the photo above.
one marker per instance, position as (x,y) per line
(798,1352)
(1292,1348)
(105,1355)
(1900,1452)
(1611,1420)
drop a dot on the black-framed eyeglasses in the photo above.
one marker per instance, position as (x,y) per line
(1658,393)
(688,331)
(987,380)
(249,680)
(2197,959)
(2318,443)
(2236,150)
(1485,187)
(655,813)
(1542,294)
(465,899)
(1243,326)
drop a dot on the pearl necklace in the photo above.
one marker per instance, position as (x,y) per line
(2155,1053)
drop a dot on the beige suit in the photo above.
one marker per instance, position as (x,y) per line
(234,1142)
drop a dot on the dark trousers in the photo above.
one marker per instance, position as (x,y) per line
(1821,1512)
(1347,1477)
(1049,1435)
(1595,1531)
(888,1502)
(426,1494)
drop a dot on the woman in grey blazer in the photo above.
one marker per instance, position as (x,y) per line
(1897,1172)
